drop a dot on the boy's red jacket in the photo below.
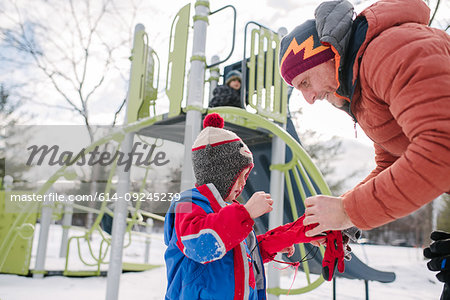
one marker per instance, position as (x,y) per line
(213,252)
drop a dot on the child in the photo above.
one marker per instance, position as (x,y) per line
(213,252)
(228,94)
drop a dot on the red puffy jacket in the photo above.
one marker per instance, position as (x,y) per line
(402,102)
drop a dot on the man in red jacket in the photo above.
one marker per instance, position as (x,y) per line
(390,72)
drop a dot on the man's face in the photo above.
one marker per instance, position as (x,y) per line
(319,83)
(235,84)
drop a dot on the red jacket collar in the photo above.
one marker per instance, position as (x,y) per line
(212,194)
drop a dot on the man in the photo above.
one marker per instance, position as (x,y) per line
(391,73)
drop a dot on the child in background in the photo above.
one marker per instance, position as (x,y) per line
(213,252)
(228,94)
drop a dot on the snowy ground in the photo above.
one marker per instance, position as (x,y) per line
(413,281)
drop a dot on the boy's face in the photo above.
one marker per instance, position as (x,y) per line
(235,84)
(238,186)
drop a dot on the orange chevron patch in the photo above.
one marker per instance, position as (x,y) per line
(308,45)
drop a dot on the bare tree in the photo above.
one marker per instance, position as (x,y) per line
(439,16)
(74,50)
(70,49)
(443,217)
(323,153)
(8,128)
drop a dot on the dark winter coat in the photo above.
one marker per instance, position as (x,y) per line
(223,95)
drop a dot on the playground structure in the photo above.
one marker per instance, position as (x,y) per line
(282,167)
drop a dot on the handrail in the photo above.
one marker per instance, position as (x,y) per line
(265,92)
(244,60)
(234,35)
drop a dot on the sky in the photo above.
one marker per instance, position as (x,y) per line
(42,104)
(156,16)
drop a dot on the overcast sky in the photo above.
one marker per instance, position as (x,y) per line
(157,17)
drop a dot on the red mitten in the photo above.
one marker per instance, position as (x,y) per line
(334,255)
(275,240)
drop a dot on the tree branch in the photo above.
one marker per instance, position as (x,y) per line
(434,13)
(116,114)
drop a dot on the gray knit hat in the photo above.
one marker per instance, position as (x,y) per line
(219,156)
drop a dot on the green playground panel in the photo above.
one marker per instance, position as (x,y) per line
(16,235)
(176,66)
(137,76)
(143,89)
(128,266)
(150,86)
(269,95)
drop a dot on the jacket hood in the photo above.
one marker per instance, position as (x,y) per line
(334,19)
(386,14)
(334,22)
(349,38)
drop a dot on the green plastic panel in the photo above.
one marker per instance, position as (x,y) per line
(148,106)
(143,86)
(176,67)
(269,95)
(128,266)
(16,237)
(137,76)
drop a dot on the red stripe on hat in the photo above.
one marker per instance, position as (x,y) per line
(215,144)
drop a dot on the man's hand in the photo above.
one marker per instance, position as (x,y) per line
(328,212)
(259,204)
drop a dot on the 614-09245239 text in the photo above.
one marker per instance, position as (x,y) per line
(109,197)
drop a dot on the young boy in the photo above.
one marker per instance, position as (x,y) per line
(228,94)
(213,252)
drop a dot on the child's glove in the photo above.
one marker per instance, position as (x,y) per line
(334,255)
(439,252)
(275,240)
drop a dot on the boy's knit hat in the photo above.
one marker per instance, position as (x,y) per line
(232,75)
(219,156)
(301,50)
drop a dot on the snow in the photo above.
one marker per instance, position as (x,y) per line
(413,280)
